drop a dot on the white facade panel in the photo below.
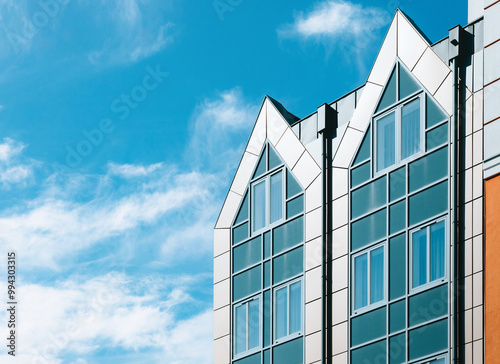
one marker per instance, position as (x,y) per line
(411,45)
(431,71)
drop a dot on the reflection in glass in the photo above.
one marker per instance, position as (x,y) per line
(276,197)
(259,206)
(281,312)
(295,307)
(386,144)
(253,324)
(419,262)
(410,129)
(437,250)
(377,275)
(241,329)
(360,281)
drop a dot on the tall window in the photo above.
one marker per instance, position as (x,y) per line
(398,130)
(428,254)
(288,310)
(247,326)
(369,273)
(398,134)
(267,206)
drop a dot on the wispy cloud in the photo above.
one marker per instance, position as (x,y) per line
(136,32)
(218,127)
(131,170)
(22,21)
(15,170)
(53,226)
(331,19)
(82,315)
(10,148)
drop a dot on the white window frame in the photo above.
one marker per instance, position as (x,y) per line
(297,333)
(369,305)
(434,359)
(397,110)
(438,281)
(234,338)
(267,180)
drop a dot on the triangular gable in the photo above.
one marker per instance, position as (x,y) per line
(272,126)
(404,42)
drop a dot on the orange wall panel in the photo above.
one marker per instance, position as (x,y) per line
(492,271)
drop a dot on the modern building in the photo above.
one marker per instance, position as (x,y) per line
(367,231)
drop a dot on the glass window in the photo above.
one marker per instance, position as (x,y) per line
(274,160)
(292,186)
(428,169)
(397,349)
(291,352)
(369,273)
(247,254)
(288,310)
(398,134)
(386,141)
(247,283)
(276,197)
(364,150)
(247,326)
(369,229)
(407,85)
(389,96)
(410,129)
(437,136)
(295,206)
(428,203)
(428,254)
(288,235)
(259,205)
(243,213)
(428,339)
(373,353)
(267,207)
(261,167)
(360,174)
(369,197)
(368,327)
(288,265)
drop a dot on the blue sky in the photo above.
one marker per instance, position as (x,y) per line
(122,123)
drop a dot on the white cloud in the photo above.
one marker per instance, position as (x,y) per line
(333,18)
(219,127)
(130,170)
(15,174)
(9,148)
(82,315)
(136,32)
(14,168)
(229,110)
(53,226)
(154,45)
